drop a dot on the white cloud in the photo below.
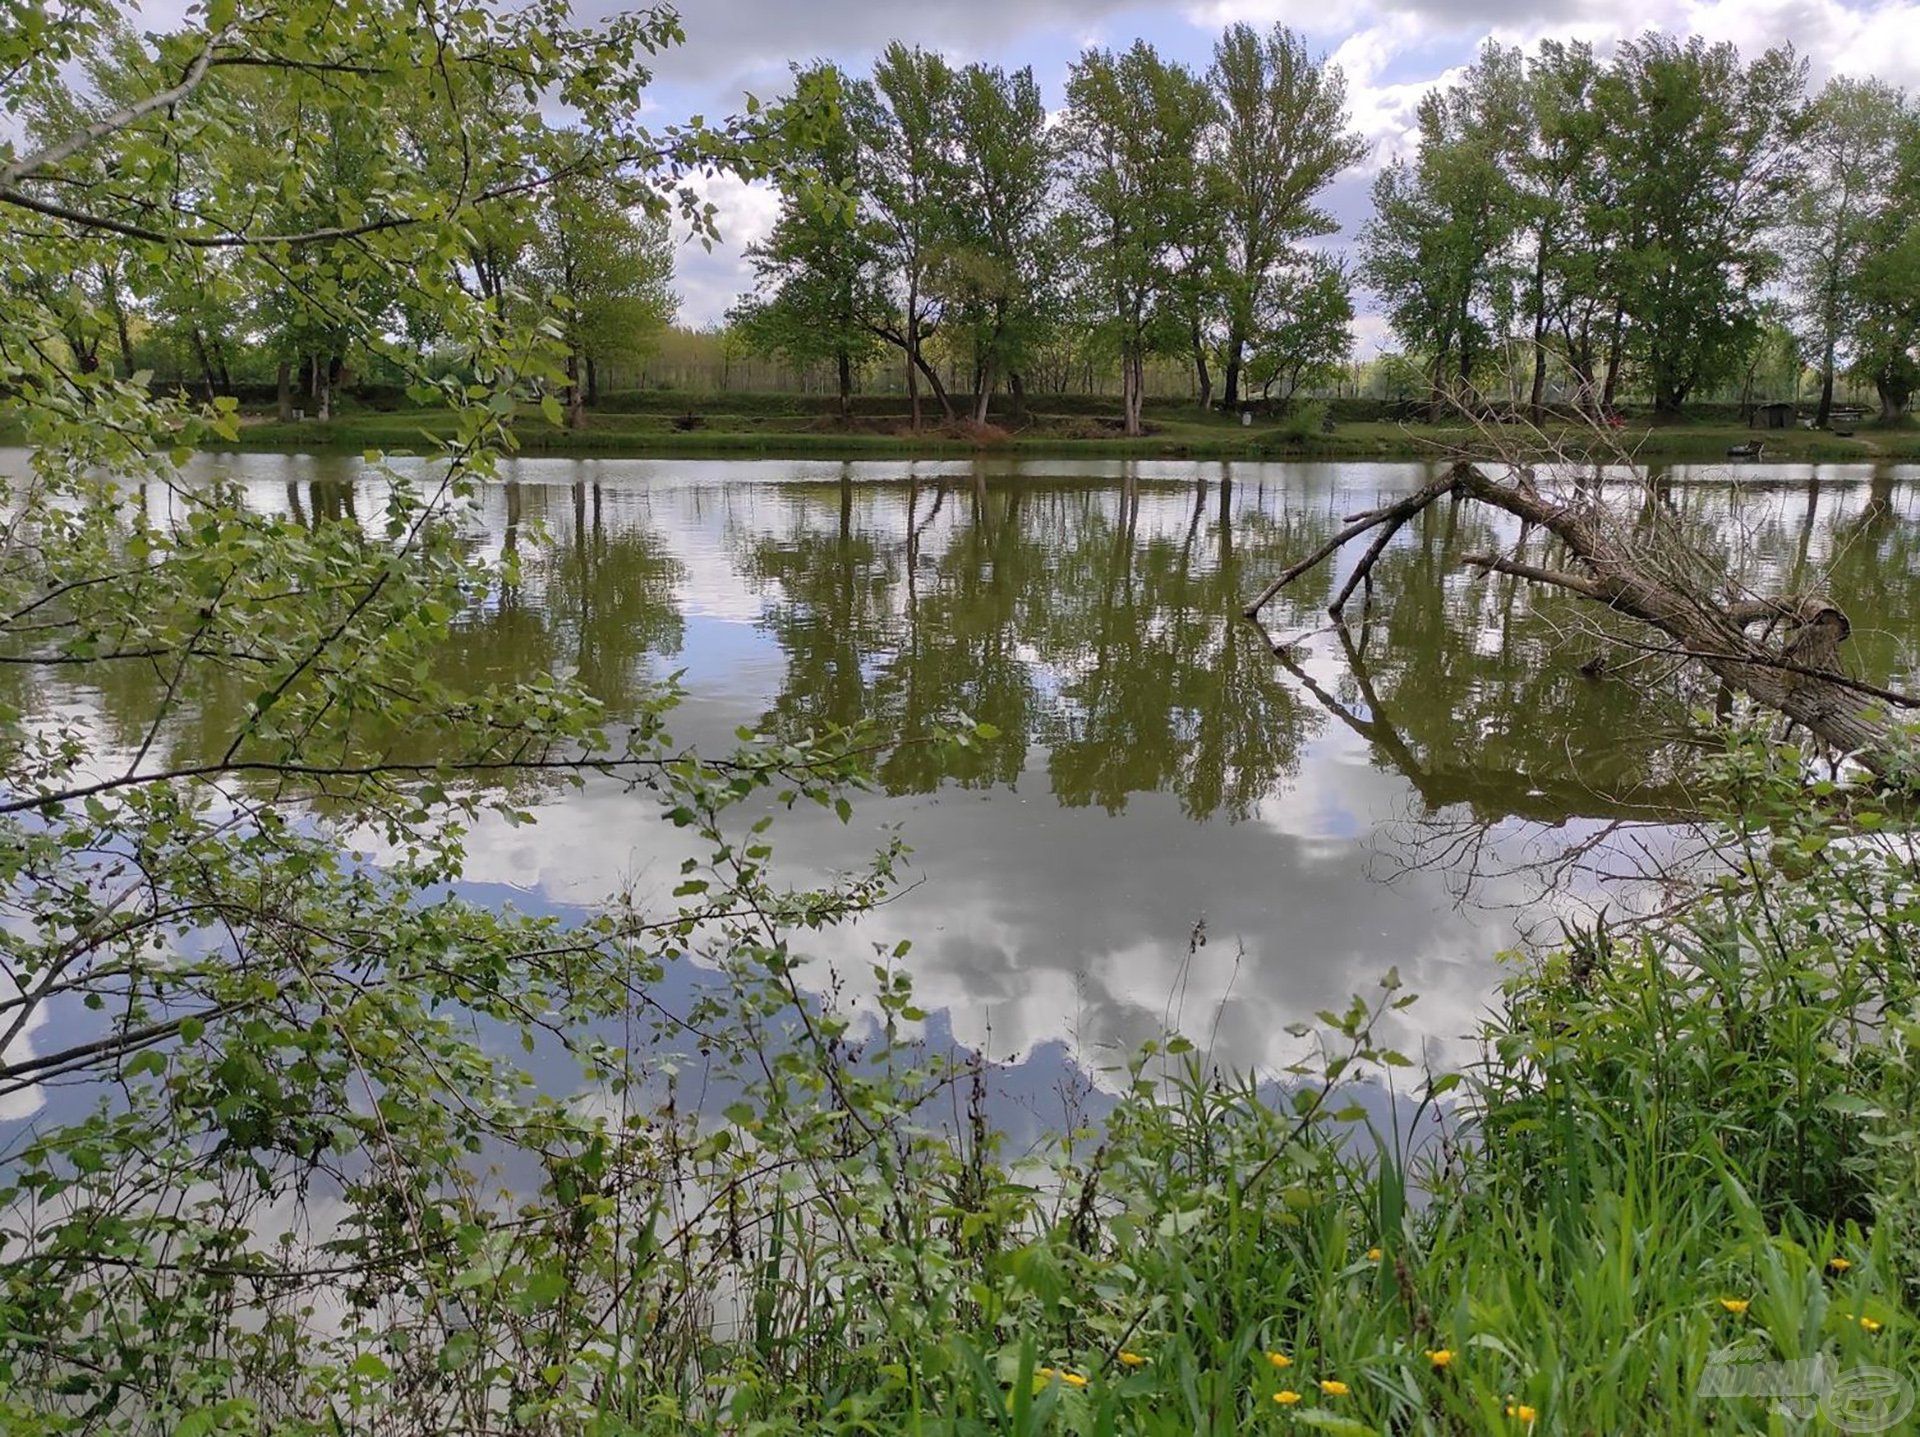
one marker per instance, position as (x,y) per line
(709,281)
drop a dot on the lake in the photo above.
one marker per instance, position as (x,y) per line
(1174,825)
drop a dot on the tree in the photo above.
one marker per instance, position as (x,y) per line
(1850,159)
(1885,332)
(819,291)
(1282,139)
(608,269)
(1702,149)
(903,120)
(1132,145)
(1565,204)
(995,265)
(1308,333)
(1439,247)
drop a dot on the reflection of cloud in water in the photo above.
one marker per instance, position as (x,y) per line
(1065,924)
(24,1102)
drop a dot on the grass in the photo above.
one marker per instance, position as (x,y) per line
(796,427)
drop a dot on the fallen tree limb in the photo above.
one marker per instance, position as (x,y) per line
(1651,574)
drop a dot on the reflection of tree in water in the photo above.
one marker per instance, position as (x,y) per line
(1874,575)
(1098,623)
(609,594)
(1508,701)
(1171,690)
(1472,686)
(593,597)
(876,630)
(1045,610)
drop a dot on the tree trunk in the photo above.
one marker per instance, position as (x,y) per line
(843,364)
(986,371)
(1616,346)
(119,312)
(1537,399)
(323,389)
(593,381)
(1230,387)
(914,361)
(576,395)
(283,391)
(933,382)
(206,360)
(1437,406)
(1203,377)
(1825,409)
(1017,391)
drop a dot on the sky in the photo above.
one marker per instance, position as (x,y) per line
(1391,52)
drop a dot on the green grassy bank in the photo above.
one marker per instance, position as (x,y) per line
(807,426)
(804,427)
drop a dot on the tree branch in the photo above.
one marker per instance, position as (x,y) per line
(62,149)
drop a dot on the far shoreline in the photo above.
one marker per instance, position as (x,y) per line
(1366,440)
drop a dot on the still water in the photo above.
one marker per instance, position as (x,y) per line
(1174,824)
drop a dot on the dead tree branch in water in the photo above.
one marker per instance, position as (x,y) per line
(1782,650)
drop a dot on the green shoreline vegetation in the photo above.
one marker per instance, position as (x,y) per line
(735,425)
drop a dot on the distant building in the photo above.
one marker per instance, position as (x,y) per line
(1774,416)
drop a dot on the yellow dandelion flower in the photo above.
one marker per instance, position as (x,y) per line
(1132,1359)
(1279,1359)
(1868,1324)
(1046,1372)
(1521,1412)
(1286,1397)
(1440,1356)
(1838,1264)
(1073,1379)
(1373,1254)
(1735,1305)
(1333,1388)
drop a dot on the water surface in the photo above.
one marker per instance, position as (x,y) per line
(1174,824)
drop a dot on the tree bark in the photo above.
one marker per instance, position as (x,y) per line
(1203,377)
(1825,409)
(283,391)
(1616,347)
(576,396)
(1537,399)
(914,361)
(843,365)
(1132,376)
(1893,398)
(933,382)
(206,360)
(111,288)
(983,393)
